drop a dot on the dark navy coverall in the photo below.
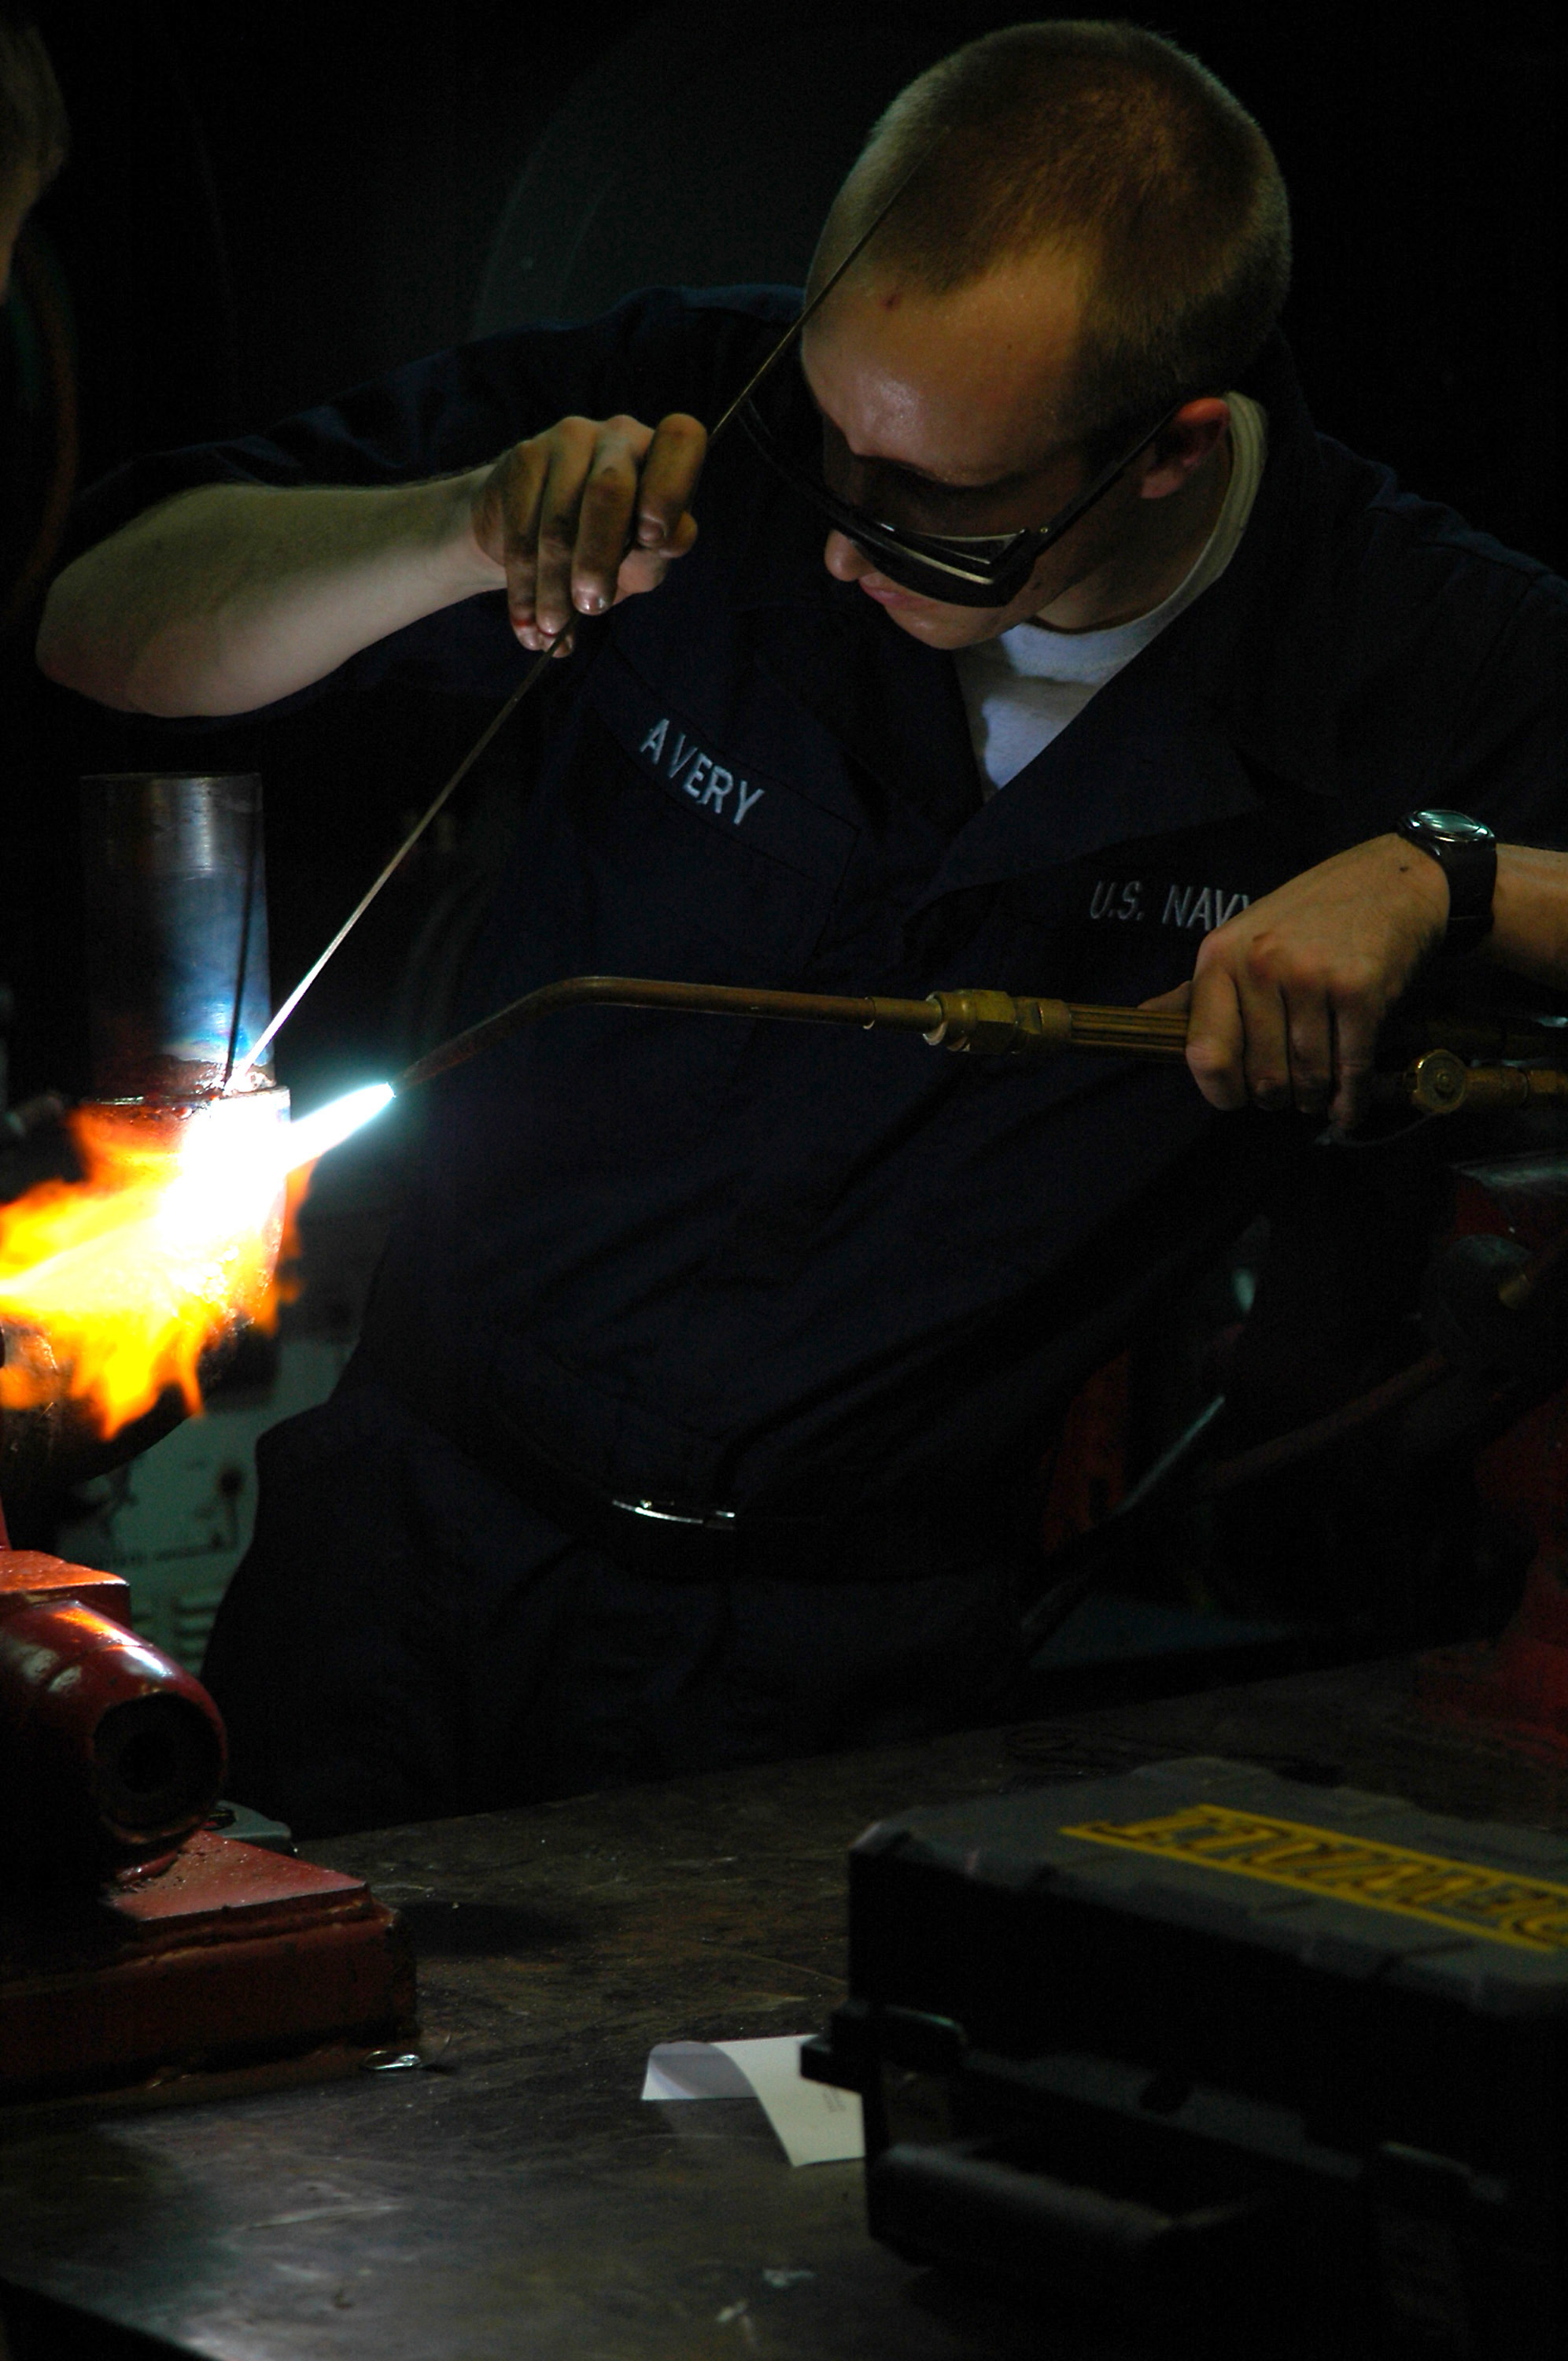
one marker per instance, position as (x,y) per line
(821,1291)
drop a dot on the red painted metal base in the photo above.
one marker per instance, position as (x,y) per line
(1511,1691)
(139,1952)
(229,1958)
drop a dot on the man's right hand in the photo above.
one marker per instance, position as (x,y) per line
(229,596)
(586,514)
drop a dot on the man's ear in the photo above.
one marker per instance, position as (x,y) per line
(1197,429)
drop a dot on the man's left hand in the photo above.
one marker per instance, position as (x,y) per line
(1287,997)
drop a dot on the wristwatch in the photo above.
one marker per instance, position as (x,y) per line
(1466,851)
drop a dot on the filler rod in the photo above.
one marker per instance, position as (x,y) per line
(541,664)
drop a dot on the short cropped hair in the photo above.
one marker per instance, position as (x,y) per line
(34,136)
(1108,143)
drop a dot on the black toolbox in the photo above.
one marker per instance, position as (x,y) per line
(1203,2045)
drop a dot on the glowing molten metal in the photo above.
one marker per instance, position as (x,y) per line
(112,1288)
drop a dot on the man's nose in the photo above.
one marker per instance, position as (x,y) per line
(845,561)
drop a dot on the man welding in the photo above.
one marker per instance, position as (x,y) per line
(1031,638)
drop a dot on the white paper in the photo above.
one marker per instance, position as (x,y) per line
(815,2123)
(693,2070)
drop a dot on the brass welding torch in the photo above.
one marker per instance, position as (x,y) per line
(1449,1064)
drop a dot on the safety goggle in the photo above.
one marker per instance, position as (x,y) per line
(985,569)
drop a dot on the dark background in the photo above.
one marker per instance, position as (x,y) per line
(268,202)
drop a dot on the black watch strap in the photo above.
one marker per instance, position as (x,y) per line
(1466,851)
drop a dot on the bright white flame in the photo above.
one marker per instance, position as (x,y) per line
(313,1135)
(112,1287)
(116,1284)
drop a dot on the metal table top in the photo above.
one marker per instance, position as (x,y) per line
(515,2196)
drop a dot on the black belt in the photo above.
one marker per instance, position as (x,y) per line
(678,1542)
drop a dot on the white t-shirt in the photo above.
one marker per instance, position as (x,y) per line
(1022,690)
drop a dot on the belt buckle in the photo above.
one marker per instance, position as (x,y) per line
(664,1512)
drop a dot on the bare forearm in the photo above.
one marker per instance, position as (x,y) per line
(1530,915)
(231,596)
(1286,998)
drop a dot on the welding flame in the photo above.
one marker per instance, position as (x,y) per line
(114,1287)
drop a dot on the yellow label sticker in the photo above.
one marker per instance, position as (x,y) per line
(1341,1867)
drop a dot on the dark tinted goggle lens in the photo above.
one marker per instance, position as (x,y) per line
(982,570)
(959,573)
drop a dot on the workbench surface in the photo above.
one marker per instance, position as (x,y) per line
(514,2196)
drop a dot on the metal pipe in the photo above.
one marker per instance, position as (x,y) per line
(177,994)
(177,966)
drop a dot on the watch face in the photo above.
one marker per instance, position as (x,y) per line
(1452,828)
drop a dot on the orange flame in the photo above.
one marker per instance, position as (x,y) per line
(112,1288)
